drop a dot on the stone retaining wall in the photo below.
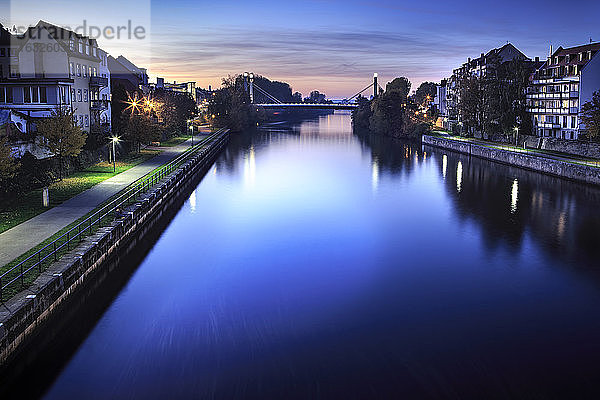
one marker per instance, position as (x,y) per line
(580,173)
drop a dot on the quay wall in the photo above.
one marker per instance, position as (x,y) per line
(576,172)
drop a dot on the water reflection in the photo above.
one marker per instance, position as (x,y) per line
(460,278)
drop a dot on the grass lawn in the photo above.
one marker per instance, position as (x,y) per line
(30,204)
(175,140)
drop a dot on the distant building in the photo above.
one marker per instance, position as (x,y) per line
(560,87)
(182,87)
(441,104)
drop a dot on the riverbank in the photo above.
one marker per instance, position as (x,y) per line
(579,172)
(24,312)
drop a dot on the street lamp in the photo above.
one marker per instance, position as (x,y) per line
(114,140)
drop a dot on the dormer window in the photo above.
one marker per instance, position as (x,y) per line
(81,47)
(87,49)
(72,44)
(568,58)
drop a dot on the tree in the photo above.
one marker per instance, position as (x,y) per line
(590,116)
(63,137)
(174,109)
(401,85)
(230,105)
(141,129)
(297,97)
(362,114)
(425,93)
(8,165)
(470,105)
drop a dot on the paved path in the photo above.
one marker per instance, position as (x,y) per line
(32,232)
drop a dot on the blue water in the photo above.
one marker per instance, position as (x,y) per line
(311,263)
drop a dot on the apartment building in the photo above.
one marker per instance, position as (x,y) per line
(560,87)
(125,73)
(478,67)
(55,67)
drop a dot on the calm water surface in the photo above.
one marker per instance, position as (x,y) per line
(312,263)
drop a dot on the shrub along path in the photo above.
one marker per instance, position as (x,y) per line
(19,239)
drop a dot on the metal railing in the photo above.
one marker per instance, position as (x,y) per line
(27,268)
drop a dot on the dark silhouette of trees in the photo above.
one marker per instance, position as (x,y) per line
(590,116)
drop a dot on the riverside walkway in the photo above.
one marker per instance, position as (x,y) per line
(570,158)
(21,238)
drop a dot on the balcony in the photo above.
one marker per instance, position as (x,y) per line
(99,105)
(98,81)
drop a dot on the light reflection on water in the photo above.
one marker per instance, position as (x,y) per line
(285,277)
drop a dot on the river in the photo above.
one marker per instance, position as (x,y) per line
(312,263)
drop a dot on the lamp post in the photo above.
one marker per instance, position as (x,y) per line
(114,140)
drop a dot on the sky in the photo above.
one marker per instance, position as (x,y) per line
(328,45)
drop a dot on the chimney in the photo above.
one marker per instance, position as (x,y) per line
(537,59)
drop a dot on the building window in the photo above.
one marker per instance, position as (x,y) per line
(573,122)
(78,70)
(79,95)
(85,95)
(90,72)
(87,120)
(95,71)
(87,49)
(94,51)
(71,69)
(81,47)
(43,95)
(27,94)
(84,68)
(2,52)
(81,120)
(73,98)
(71,44)
(2,95)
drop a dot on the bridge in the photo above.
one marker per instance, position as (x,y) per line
(274,103)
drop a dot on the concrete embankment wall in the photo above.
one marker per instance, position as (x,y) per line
(22,314)
(576,172)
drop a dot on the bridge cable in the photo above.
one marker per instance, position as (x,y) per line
(371,85)
(264,92)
